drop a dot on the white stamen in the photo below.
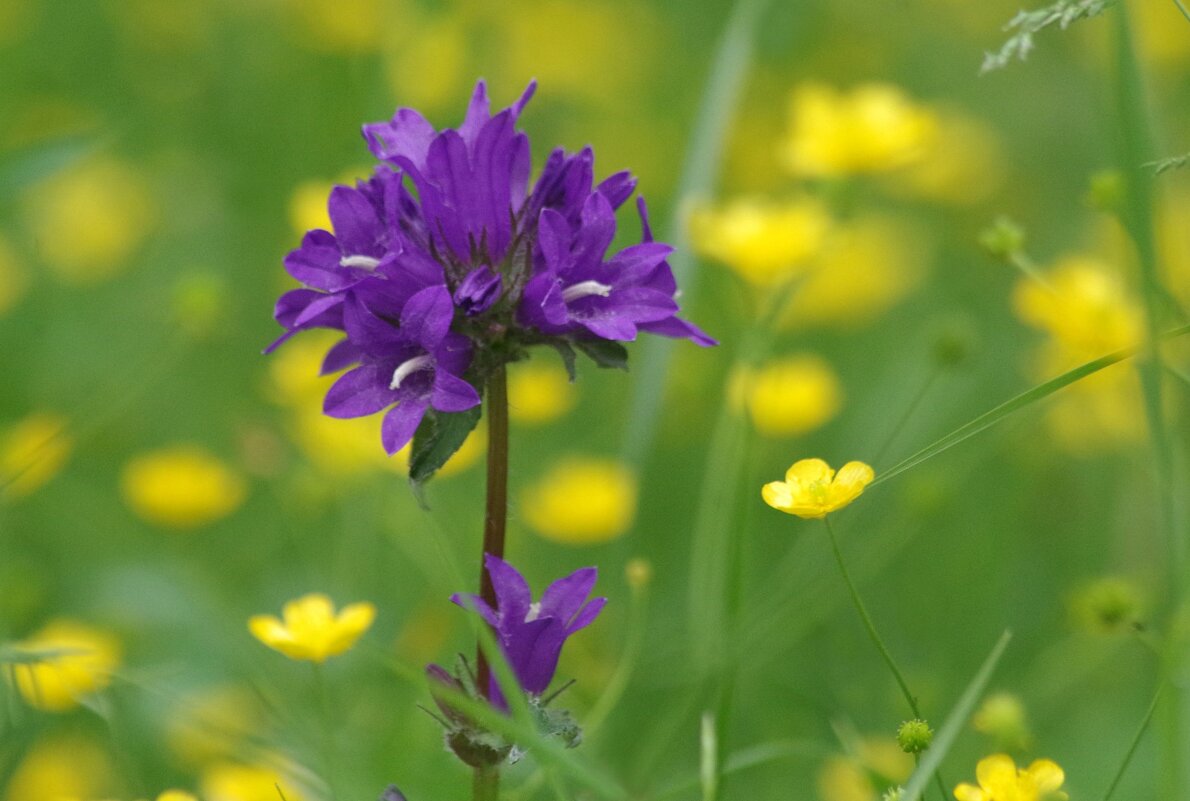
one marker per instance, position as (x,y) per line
(367,262)
(534,612)
(405,368)
(585,288)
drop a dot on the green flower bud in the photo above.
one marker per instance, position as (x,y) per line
(914,736)
(893,794)
(1003,238)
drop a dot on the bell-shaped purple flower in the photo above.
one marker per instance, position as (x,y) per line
(531,634)
(415,365)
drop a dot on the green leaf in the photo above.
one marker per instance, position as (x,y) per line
(437,439)
(954,722)
(604,352)
(568,357)
(990,418)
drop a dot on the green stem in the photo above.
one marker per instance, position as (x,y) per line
(487,779)
(486,786)
(879,643)
(326,724)
(907,415)
(1136,149)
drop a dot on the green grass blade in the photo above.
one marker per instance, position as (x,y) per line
(1140,732)
(699,173)
(1025,399)
(954,722)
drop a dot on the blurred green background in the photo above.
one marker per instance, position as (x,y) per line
(163,481)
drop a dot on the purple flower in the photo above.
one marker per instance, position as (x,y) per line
(449,252)
(415,365)
(531,634)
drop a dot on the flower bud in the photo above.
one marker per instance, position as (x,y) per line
(914,736)
(1003,238)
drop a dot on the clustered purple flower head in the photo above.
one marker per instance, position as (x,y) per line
(446,264)
(531,634)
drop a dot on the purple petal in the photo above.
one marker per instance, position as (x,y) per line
(355,222)
(636,262)
(478,112)
(359,392)
(541,305)
(427,316)
(617,188)
(512,592)
(478,291)
(553,238)
(406,136)
(680,329)
(476,604)
(532,651)
(586,615)
(452,394)
(611,327)
(318,309)
(563,598)
(343,353)
(400,423)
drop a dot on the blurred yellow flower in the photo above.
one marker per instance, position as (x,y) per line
(427,69)
(873,128)
(14,279)
(852,777)
(592,50)
(811,489)
(539,391)
(1001,780)
(764,241)
(32,452)
(176,795)
(1002,717)
(213,723)
(294,369)
(70,767)
(307,206)
(1084,306)
(964,165)
(582,501)
(182,486)
(344,26)
(789,396)
(312,630)
(231,781)
(69,660)
(865,268)
(89,220)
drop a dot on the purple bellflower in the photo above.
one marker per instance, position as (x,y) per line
(447,263)
(531,634)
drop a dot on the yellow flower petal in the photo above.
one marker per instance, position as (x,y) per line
(777,495)
(1046,774)
(969,792)
(809,471)
(311,630)
(997,775)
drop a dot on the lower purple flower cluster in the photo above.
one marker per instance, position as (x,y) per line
(446,264)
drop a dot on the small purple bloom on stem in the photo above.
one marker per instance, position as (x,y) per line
(531,634)
(478,291)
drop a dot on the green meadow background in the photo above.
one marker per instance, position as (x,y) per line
(157,161)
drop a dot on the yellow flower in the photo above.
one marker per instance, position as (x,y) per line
(964,166)
(32,452)
(1085,307)
(230,781)
(72,660)
(213,723)
(312,631)
(343,26)
(851,777)
(864,269)
(811,489)
(67,767)
(89,220)
(182,487)
(176,795)
(873,128)
(764,241)
(1001,780)
(539,391)
(582,501)
(790,396)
